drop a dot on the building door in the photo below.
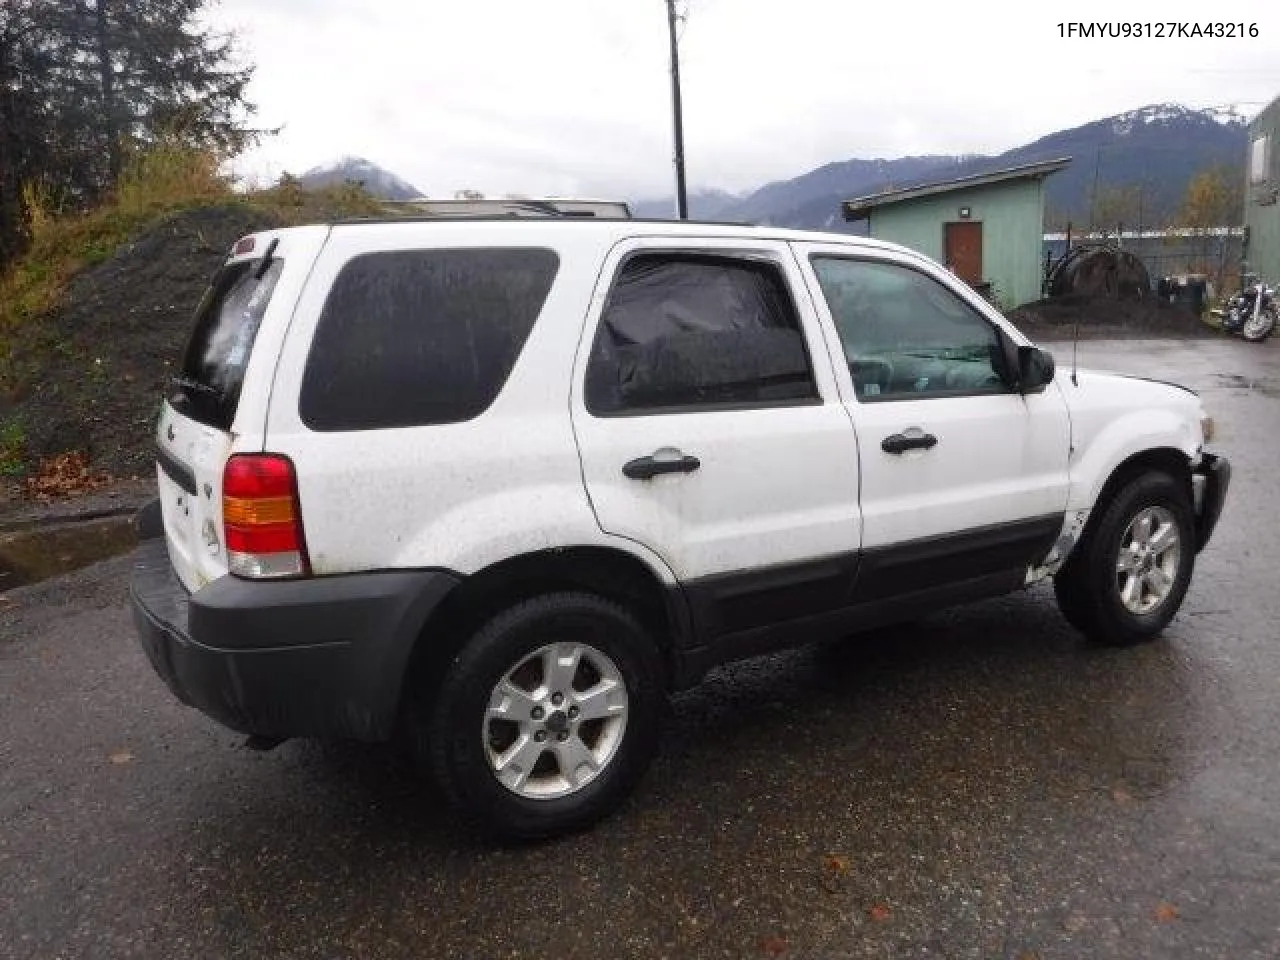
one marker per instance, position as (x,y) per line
(962,242)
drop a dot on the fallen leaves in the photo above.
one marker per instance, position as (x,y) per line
(834,871)
(773,945)
(1121,796)
(880,912)
(1167,912)
(63,476)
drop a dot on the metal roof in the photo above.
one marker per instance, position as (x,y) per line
(861,207)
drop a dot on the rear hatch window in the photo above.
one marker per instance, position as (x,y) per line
(207,387)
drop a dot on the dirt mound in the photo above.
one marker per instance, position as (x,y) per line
(97,368)
(1055,318)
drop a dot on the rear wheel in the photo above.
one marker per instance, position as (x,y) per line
(548,716)
(1260,327)
(1127,578)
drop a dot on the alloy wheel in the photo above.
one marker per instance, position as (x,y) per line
(555,720)
(1147,565)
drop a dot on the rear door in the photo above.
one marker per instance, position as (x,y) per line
(711,431)
(215,402)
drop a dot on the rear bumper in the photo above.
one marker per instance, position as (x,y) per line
(1212,478)
(324,657)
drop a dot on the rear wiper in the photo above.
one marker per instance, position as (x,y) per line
(265,263)
(186,383)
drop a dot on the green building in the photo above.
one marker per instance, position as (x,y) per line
(1262,190)
(988,228)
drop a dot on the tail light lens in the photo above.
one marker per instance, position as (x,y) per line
(263,518)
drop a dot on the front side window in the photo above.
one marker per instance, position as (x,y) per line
(905,335)
(697,332)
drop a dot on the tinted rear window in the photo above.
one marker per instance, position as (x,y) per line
(226,324)
(418,337)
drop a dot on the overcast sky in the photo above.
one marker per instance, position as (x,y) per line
(572,97)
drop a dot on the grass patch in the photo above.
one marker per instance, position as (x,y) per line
(13,448)
(164,179)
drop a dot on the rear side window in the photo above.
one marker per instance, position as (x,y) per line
(686,332)
(226,324)
(418,337)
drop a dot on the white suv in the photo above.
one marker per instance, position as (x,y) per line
(504,484)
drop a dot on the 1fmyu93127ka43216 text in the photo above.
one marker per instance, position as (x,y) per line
(1157,30)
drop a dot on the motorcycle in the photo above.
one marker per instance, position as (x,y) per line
(1252,312)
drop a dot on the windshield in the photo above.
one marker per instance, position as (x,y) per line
(226,323)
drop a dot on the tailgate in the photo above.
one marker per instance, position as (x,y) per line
(189,459)
(216,402)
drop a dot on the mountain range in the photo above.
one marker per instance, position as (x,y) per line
(1153,153)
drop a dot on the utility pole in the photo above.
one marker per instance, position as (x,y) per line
(682,202)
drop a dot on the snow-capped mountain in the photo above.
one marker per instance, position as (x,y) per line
(1173,115)
(380,182)
(1156,149)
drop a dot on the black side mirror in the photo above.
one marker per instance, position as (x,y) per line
(1004,358)
(1035,369)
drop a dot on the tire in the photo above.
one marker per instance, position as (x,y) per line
(1125,607)
(502,672)
(1256,332)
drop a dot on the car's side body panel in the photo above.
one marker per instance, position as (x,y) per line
(1115,417)
(460,496)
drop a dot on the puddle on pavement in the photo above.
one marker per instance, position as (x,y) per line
(1267,386)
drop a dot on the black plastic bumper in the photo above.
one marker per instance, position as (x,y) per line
(322,657)
(1216,471)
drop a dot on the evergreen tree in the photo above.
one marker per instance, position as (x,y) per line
(82,82)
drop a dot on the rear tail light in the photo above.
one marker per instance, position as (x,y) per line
(263,518)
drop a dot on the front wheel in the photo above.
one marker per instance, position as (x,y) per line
(1257,329)
(547,717)
(1129,574)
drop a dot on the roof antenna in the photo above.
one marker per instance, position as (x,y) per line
(1075,326)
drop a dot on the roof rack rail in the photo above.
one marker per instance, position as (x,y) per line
(515,217)
(518,206)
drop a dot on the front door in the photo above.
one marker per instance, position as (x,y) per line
(711,428)
(962,241)
(962,478)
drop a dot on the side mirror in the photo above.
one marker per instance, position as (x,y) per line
(1035,369)
(1004,358)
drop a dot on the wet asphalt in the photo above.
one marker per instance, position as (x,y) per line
(981,784)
